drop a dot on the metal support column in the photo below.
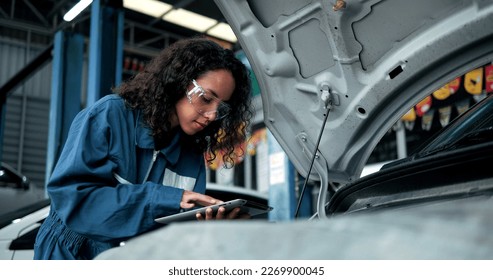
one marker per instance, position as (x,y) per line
(281,183)
(105,48)
(66,89)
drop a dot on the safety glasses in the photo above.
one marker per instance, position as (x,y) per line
(206,103)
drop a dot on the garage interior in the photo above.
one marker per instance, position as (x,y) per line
(30,31)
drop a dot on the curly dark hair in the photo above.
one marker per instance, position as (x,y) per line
(164,82)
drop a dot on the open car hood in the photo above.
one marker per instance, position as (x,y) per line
(369,62)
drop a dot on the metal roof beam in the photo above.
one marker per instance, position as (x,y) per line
(25,26)
(57,8)
(36,12)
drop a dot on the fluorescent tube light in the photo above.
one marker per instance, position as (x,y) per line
(76,10)
(182,18)
(223,31)
(149,7)
(190,20)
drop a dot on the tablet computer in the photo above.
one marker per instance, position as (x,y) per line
(246,206)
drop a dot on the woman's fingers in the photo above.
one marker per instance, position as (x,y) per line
(221,213)
(191,199)
(233,214)
(209,214)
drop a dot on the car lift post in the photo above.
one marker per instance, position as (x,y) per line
(105,48)
(66,89)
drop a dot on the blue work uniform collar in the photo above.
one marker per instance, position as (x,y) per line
(144,140)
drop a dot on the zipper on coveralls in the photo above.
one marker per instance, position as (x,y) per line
(154,157)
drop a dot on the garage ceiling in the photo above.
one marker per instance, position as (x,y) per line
(38,20)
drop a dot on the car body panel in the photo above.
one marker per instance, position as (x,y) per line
(369,62)
(25,225)
(440,177)
(423,233)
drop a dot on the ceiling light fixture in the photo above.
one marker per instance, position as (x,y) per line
(76,10)
(182,17)
(149,7)
(190,20)
(223,31)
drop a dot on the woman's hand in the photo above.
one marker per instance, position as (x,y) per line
(191,199)
(222,215)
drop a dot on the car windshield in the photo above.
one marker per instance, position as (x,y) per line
(474,127)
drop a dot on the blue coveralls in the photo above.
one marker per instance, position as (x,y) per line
(109,184)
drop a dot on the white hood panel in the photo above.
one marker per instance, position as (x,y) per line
(369,62)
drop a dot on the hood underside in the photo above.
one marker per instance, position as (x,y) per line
(365,63)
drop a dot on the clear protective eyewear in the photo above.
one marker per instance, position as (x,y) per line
(207,104)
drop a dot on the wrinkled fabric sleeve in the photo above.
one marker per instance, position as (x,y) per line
(87,197)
